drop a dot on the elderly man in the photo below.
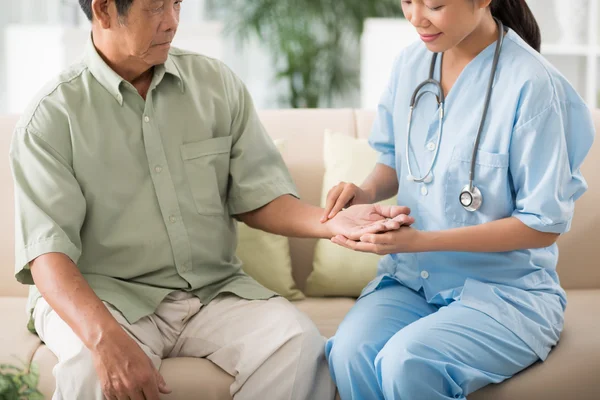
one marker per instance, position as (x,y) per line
(130,169)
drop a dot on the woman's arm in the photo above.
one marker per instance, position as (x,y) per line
(493,237)
(506,234)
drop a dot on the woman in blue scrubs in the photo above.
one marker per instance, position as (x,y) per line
(468,295)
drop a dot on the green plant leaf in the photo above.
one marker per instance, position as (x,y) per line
(30,380)
(314,43)
(8,390)
(31,395)
(5,384)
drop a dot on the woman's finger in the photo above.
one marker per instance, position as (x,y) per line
(332,197)
(352,245)
(345,197)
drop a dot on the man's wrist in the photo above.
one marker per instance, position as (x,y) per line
(325,230)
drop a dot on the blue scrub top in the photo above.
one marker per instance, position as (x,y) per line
(536,136)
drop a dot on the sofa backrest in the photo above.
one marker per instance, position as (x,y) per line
(8,285)
(304,131)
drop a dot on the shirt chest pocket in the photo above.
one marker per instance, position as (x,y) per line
(491,178)
(206,165)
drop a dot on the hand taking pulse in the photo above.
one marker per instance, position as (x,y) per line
(342,196)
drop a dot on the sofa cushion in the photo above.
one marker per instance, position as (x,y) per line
(266,257)
(17,344)
(347,159)
(303,131)
(45,360)
(572,370)
(189,377)
(326,313)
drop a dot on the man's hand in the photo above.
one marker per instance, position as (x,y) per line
(360,220)
(125,371)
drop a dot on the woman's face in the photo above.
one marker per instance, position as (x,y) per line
(444,24)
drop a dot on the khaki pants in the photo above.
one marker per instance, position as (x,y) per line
(272,350)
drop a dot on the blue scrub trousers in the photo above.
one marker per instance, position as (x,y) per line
(395,345)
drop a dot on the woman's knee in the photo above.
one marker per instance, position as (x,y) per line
(349,351)
(412,369)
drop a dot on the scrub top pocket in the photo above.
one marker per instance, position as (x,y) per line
(492,179)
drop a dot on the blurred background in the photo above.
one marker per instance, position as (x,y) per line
(290,53)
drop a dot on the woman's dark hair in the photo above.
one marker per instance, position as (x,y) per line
(122,7)
(517,16)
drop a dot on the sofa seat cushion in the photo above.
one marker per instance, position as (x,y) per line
(572,371)
(326,313)
(17,344)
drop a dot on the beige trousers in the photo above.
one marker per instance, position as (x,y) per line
(273,351)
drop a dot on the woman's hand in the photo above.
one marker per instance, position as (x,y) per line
(403,240)
(343,196)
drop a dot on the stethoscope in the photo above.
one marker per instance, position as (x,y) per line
(470,196)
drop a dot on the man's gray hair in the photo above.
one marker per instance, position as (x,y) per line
(122,7)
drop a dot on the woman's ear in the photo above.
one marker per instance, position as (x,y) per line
(484,3)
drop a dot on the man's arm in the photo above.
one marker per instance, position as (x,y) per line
(118,359)
(288,216)
(64,288)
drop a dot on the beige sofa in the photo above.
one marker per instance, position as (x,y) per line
(571,372)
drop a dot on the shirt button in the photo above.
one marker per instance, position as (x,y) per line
(172,219)
(147,118)
(424,191)
(424,274)
(431,146)
(158,169)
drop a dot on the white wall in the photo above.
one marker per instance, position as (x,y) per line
(252,61)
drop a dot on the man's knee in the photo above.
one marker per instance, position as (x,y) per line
(76,375)
(295,332)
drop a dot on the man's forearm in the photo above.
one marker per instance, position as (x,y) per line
(288,216)
(61,284)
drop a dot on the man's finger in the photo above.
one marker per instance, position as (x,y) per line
(391,211)
(405,220)
(151,392)
(376,227)
(162,385)
(139,395)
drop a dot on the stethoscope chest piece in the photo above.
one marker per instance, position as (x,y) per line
(471,198)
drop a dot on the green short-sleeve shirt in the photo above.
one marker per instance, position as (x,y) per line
(141,194)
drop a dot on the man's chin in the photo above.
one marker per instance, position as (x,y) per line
(159,56)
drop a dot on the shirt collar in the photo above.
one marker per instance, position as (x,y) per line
(111,81)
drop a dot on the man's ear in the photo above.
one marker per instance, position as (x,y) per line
(101,9)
